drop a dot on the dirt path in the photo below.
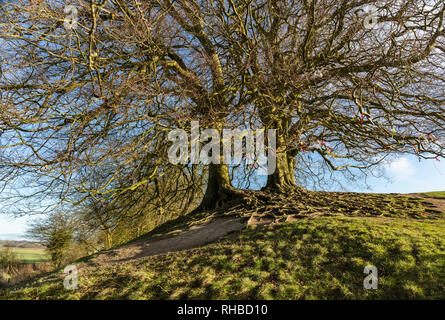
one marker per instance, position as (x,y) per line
(437,204)
(194,237)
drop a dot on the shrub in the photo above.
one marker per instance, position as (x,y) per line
(9,262)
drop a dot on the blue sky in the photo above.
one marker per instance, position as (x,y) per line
(13,228)
(407,175)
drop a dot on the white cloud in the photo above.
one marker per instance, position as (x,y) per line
(400,168)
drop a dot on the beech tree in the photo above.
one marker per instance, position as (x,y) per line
(102,82)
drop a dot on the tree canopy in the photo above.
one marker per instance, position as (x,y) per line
(346,84)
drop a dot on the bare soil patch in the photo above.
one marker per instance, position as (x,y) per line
(437,204)
(195,236)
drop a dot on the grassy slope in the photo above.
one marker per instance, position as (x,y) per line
(313,258)
(29,255)
(435,194)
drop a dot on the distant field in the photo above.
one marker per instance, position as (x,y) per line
(31,255)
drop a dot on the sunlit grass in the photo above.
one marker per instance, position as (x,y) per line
(435,194)
(320,258)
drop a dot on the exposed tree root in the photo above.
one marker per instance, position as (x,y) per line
(266,207)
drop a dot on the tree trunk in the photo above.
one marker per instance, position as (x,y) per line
(283,178)
(108,240)
(219,189)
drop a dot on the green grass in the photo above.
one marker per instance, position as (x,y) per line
(435,194)
(27,255)
(320,258)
